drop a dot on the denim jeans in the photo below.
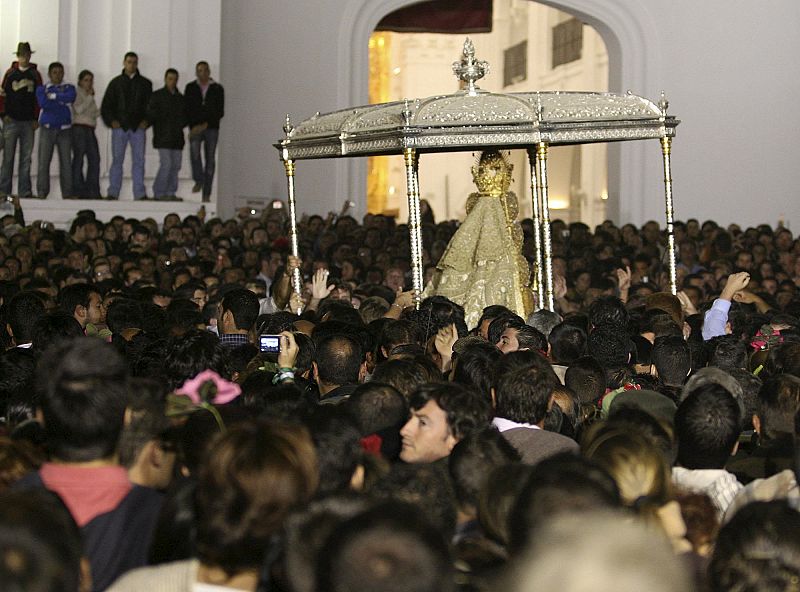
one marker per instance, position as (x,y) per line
(204,175)
(49,139)
(166,181)
(119,141)
(13,132)
(84,146)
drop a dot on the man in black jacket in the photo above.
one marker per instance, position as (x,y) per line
(205,106)
(124,110)
(167,114)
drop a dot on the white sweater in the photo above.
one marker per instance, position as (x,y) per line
(84,109)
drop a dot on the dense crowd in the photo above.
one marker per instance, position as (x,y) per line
(176,416)
(66,117)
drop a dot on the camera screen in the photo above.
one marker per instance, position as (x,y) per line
(270,343)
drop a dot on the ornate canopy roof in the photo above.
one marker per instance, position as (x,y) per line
(471,119)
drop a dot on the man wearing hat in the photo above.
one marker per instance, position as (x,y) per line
(20,111)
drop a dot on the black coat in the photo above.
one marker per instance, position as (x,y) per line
(209,110)
(167,113)
(126,101)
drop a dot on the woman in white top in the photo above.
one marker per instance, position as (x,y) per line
(84,141)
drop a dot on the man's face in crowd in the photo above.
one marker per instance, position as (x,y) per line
(130,64)
(171,81)
(203,72)
(259,238)
(24,59)
(508,341)
(102,272)
(76,260)
(140,241)
(651,232)
(744,261)
(426,436)
(56,75)
(95,313)
(394,279)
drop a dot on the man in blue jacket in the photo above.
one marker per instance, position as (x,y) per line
(19,111)
(55,123)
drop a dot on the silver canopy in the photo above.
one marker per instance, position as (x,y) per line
(474,119)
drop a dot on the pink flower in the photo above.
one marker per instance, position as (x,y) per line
(209,387)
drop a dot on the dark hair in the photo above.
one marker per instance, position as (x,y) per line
(339,359)
(610,346)
(473,459)
(567,343)
(336,439)
(41,543)
(84,73)
(727,352)
(17,368)
(404,375)
(388,548)
(522,394)
(466,409)
(54,65)
(608,311)
(586,377)
(778,401)
(706,427)
(193,352)
(285,402)
(83,388)
(394,333)
(76,295)
(148,420)
(497,499)
(21,314)
(254,475)
(375,407)
(758,550)
(201,62)
(672,359)
(427,486)
(475,367)
(243,305)
(530,338)
(131,54)
(500,323)
(171,71)
(307,532)
(437,312)
(124,314)
(54,326)
(561,484)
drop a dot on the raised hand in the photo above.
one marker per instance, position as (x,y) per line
(319,285)
(624,279)
(736,283)
(289,350)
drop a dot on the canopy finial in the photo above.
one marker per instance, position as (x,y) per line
(287,125)
(663,104)
(469,69)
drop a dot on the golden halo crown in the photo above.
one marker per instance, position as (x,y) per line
(492,173)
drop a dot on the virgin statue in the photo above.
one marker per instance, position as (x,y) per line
(483,263)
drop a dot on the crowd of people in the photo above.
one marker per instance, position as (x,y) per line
(177,418)
(66,117)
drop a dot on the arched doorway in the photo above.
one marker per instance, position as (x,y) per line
(627,32)
(529,46)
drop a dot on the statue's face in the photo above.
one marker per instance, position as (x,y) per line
(492,175)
